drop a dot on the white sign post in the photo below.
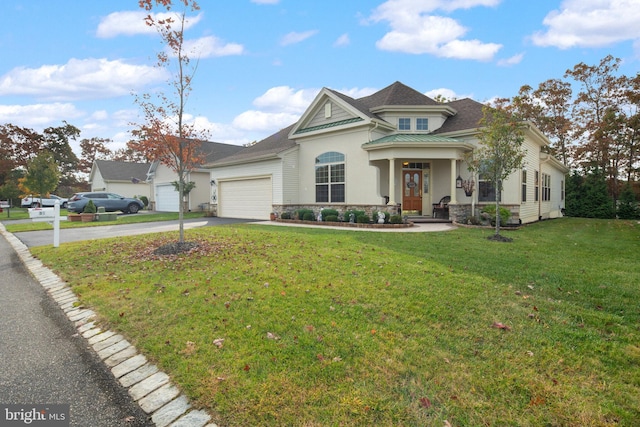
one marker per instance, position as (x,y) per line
(50,215)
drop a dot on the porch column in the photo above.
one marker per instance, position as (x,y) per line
(453,182)
(392,183)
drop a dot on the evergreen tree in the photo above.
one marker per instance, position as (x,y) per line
(628,203)
(574,204)
(597,202)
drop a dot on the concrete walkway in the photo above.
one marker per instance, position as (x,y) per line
(46,335)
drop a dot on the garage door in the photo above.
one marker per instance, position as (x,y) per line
(247,198)
(166,198)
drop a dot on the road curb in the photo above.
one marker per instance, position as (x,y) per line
(145,383)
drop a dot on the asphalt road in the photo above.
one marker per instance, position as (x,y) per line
(44,361)
(41,238)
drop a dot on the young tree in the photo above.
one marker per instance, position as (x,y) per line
(43,175)
(500,151)
(165,136)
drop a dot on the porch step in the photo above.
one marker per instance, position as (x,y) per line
(427,220)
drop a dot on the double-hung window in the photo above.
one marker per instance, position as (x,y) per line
(330,178)
(524,185)
(546,187)
(404,123)
(422,124)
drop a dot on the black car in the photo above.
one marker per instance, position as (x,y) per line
(111,202)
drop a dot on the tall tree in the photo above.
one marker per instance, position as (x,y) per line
(57,141)
(91,150)
(165,136)
(500,151)
(43,175)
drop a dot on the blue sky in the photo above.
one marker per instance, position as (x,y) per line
(263,61)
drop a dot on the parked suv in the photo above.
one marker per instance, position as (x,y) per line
(37,201)
(110,201)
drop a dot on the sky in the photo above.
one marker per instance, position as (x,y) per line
(262,62)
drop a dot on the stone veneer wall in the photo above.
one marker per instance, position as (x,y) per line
(368,209)
(462,213)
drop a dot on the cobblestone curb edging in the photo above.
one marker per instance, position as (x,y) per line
(146,384)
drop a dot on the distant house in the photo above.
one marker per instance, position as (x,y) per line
(127,179)
(396,150)
(164,196)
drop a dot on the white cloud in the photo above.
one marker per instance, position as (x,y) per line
(415,30)
(590,23)
(39,115)
(514,60)
(343,40)
(253,120)
(131,23)
(447,94)
(210,46)
(286,99)
(80,79)
(296,37)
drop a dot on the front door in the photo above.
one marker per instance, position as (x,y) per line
(412,190)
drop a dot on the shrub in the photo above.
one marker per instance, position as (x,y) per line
(90,207)
(395,219)
(330,218)
(327,213)
(308,216)
(363,219)
(145,200)
(490,212)
(285,215)
(356,214)
(374,216)
(627,205)
(300,213)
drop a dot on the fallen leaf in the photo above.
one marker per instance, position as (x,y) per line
(218,342)
(499,325)
(272,336)
(447,423)
(246,367)
(189,349)
(425,402)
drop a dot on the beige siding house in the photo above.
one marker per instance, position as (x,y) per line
(127,179)
(164,196)
(395,150)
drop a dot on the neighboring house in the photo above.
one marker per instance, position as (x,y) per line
(164,196)
(396,149)
(127,179)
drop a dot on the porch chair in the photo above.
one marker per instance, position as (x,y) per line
(441,209)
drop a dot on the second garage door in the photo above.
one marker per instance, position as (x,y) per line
(167,198)
(246,198)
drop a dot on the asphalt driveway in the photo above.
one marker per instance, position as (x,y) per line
(41,238)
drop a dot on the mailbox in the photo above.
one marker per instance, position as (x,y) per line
(42,214)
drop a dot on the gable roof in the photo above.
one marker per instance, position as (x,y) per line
(467,118)
(111,170)
(217,150)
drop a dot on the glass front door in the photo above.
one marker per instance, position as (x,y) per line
(412,190)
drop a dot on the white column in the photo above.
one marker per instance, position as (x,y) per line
(453,182)
(392,182)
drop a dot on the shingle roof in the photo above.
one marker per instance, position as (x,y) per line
(468,116)
(122,171)
(217,150)
(396,94)
(269,146)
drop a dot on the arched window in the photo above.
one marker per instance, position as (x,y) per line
(330,177)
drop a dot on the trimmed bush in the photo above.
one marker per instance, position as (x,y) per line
(490,212)
(300,213)
(363,219)
(327,213)
(330,218)
(355,213)
(145,200)
(285,215)
(308,216)
(395,219)
(90,207)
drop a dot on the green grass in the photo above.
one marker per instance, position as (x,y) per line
(121,219)
(326,328)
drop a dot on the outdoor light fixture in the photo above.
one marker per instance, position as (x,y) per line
(459,182)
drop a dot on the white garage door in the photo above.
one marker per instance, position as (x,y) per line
(247,198)
(166,198)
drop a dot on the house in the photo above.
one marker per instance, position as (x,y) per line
(164,196)
(395,150)
(127,179)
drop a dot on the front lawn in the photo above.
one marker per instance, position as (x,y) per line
(268,325)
